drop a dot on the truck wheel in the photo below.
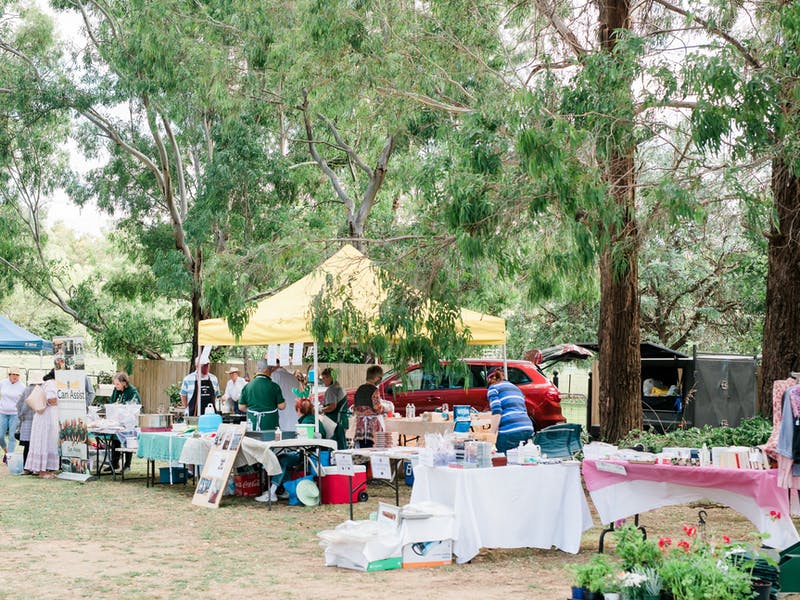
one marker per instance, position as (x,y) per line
(363,496)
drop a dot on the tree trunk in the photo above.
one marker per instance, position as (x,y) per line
(781,342)
(618,334)
(197,311)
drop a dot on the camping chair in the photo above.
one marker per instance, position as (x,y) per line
(559,441)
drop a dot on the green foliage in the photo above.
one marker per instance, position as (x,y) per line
(751,432)
(698,575)
(595,574)
(634,549)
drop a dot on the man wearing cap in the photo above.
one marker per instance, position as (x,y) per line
(233,391)
(261,399)
(208,389)
(11,388)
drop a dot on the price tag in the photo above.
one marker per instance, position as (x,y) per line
(345,463)
(381,468)
(608,467)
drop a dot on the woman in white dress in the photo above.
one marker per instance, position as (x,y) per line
(43,449)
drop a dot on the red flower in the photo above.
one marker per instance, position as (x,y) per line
(684,545)
(774,515)
(726,539)
(690,530)
(664,542)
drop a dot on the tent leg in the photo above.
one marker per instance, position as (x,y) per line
(315,394)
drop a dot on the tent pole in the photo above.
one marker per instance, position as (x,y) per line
(316,397)
(505,362)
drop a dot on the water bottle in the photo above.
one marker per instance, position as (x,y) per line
(277,434)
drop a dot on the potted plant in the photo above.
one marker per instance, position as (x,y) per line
(690,575)
(594,576)
(634,549)
(651,586)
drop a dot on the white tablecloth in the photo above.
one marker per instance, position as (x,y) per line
(540,506)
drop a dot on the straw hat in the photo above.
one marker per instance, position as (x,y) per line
(232,370)
(307,492)
(35,378)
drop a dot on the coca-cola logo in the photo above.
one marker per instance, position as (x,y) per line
(249,486)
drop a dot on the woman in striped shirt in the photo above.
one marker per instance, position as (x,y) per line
(507,400)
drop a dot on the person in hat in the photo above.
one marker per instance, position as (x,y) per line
(43,451)
(233,391)
(25,415)
(208,388)
(262,399)
(508,401)
(11,389)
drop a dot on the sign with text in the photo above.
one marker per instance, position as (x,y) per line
(219,464)
(73,432)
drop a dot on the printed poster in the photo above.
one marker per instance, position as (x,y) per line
(219,464)
(73,431)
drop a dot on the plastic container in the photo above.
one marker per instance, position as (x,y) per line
(334,487)
(278,435)
(408,471)
(15,464)
(208,423)
(308,429)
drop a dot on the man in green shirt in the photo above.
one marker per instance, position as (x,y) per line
(261,399)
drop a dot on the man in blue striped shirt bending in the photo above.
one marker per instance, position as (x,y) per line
(507,400)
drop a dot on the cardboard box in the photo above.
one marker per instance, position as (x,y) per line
(428,554)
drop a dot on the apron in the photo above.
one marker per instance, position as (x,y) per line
(207,396)
(256,418)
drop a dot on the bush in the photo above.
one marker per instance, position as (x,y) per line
(752,432)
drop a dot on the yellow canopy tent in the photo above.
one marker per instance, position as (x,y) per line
(286,316)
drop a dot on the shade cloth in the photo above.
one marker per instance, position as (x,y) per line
(642,487)
(286,316)
(14,337)
(540,506)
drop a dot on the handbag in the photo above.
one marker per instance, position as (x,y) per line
(37,399)
(328,424)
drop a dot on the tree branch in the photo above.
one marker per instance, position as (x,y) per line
(749,58)
(337,185)
(345,146)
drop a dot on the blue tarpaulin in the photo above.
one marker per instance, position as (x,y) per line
(14,337)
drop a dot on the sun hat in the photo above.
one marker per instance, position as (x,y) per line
(13,371)
(307,492)
(232,370)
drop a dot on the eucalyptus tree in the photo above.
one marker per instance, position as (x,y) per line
(746,92)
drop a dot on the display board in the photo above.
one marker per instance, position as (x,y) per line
(71,385)
(219,464)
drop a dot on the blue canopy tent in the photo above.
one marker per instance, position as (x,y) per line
(14,337)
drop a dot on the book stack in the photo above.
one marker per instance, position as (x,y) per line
(384,439)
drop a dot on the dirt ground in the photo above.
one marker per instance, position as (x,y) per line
(104,539)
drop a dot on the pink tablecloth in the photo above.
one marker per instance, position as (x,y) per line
(755,494)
